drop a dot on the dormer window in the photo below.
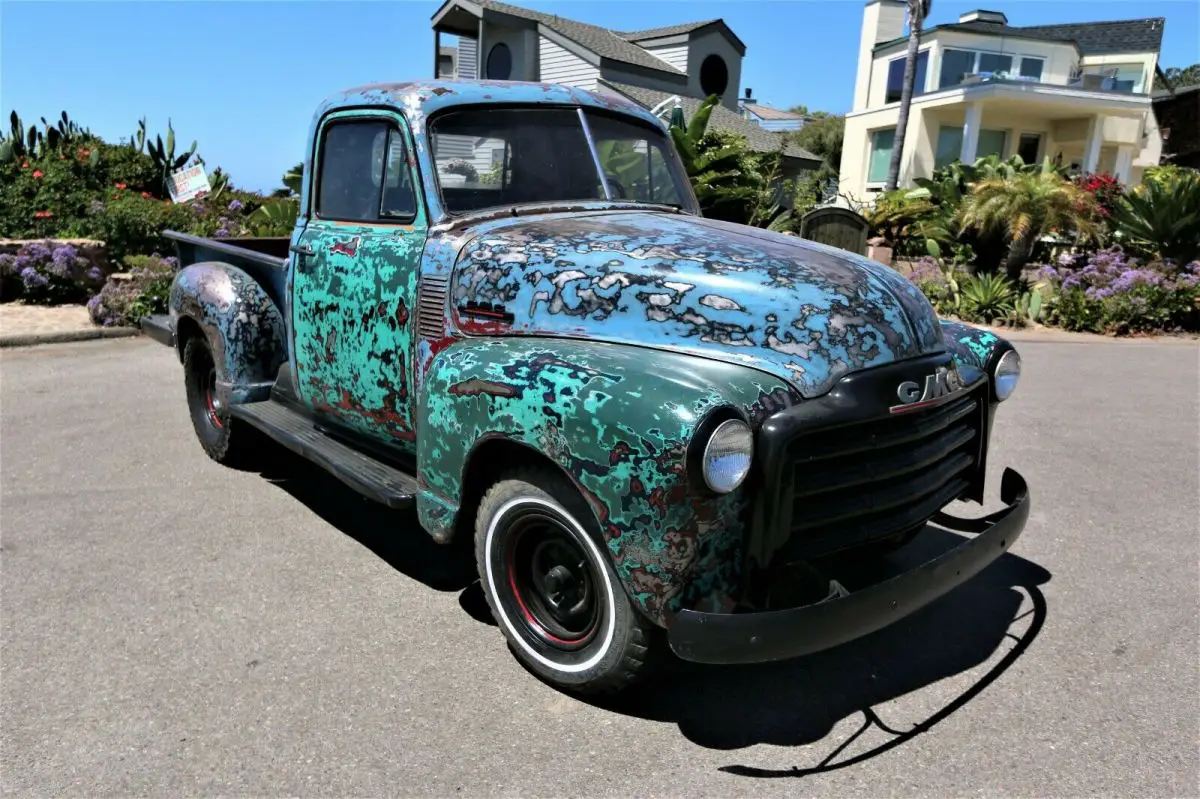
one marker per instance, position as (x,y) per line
(499,62)
(714,75)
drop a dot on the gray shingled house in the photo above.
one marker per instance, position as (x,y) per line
(689,61)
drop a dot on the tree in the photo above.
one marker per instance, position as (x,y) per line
(1174,78)
(917,11)
(822,136)
(1027,206)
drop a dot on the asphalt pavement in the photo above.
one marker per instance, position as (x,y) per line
(171,627)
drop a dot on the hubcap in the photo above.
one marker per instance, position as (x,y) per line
(551,581)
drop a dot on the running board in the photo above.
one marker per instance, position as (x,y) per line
(294,430)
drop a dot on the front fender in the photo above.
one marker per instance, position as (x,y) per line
(974,349)
(617,420)
(239,320)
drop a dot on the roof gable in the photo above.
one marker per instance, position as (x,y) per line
(600,41)
(686,29)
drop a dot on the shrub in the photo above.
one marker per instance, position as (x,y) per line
(132,224)
(145,291)
(1161,218)
(1116,295)
(48,273)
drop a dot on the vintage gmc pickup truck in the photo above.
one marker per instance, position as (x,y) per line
(502,305)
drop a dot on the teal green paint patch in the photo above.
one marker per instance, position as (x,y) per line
(673,544)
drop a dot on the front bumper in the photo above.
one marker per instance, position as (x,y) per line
(780,634)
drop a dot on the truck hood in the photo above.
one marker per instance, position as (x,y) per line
(803,311)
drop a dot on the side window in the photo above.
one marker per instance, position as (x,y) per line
(364,174)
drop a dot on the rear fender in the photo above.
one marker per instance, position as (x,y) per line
(244,328)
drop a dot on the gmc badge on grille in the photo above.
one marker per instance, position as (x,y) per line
(944,382)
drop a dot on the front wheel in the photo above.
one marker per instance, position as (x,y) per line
(553,591)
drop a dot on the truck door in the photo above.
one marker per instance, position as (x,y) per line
(355,278)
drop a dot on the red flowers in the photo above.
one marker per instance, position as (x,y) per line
(120,185)
(37,173)
(146,195)
(42,214)
(24,165)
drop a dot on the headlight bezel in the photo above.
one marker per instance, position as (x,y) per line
(1006,374)
(699,468)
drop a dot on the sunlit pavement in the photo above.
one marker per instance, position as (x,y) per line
(173,627)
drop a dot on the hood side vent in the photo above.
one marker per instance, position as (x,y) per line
(431,306)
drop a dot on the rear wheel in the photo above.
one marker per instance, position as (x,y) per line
(553,591)
(222,437)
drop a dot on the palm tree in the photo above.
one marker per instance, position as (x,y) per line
(918,10)
(1027,206)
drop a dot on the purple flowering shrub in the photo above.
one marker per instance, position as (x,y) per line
(145,292)
(48,273)
(940,284)
(1111,293)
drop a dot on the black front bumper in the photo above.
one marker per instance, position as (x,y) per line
(781,634)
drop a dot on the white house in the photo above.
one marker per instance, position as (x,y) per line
(1079,93)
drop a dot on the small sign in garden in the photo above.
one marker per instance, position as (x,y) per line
(187,184)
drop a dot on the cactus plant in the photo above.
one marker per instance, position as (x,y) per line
(164,158)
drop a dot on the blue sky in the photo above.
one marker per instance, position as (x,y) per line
(243,77)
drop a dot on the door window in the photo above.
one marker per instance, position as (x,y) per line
(364,176)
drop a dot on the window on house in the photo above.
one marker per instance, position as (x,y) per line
(363,173)
(1028,146)
(956,65)
(950,141)
(994,62)
(882,142)
(1032,68)
(1122,77)
(895,78)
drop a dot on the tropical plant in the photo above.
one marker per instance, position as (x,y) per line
(719,165)
(1027,206)
(987,297)
(165,160)
(1161,218)
(918,10)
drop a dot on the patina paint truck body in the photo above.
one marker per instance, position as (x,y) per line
(650,422)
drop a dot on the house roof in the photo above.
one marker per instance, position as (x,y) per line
(1091,38)
(669,30)
(685,28)
(767,112)
(759,138)
(601,41)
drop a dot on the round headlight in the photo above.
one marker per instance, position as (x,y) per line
(727,456)
(1008,372)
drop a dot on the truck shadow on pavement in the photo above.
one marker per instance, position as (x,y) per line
(791,703)
(799,703)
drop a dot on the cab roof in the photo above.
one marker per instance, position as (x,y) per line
(422,98)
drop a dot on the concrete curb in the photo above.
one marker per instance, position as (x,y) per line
(59,336)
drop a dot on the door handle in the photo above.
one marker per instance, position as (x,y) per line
(304,252)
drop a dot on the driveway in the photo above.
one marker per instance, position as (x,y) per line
(172,627)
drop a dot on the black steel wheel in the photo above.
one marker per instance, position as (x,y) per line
(552,588)
(223,440)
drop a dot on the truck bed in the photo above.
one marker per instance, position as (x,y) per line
(264,259)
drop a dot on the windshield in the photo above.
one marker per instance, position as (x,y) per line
(497,156)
